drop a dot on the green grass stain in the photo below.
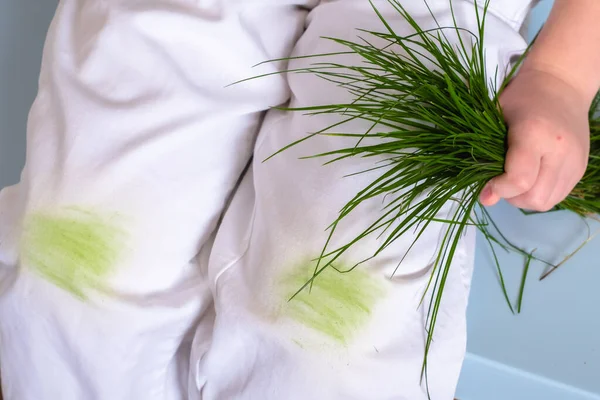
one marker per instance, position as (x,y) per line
(73,248)
(338,305)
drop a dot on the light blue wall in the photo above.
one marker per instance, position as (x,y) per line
(23,25)
(550,351)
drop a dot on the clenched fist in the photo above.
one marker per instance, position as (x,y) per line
(546,107)
(548,142)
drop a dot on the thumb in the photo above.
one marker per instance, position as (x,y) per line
(487,196)
(521,170)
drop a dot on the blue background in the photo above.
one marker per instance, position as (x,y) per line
(550,351)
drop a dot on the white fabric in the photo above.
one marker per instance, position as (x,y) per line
(134,141)
(513,12)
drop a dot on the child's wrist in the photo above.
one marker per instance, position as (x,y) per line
(567,46)
(580,86)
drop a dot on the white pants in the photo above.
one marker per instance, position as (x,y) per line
(118,278)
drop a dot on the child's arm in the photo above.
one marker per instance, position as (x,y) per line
(546,107)
(569,45)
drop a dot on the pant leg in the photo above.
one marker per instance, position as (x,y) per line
(358,335)
(134,145)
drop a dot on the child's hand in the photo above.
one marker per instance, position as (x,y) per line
(546,107)
(548,142)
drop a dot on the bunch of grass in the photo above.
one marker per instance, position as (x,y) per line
(442,136)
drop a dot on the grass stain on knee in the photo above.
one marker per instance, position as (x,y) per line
(73,248)
(338,305)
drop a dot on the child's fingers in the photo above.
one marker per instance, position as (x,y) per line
(540,197)
(521,168)
(565,183)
